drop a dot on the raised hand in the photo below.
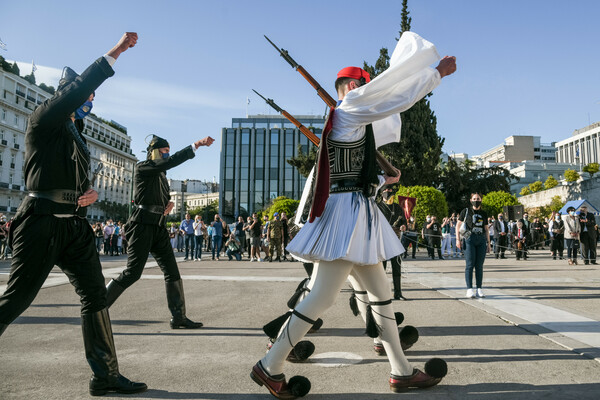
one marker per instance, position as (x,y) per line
(207,141)
(447,66)
(129,39)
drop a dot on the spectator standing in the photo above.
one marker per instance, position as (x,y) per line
(435,238)
(537,234)
(217,235)
(556,230)
(226,235)
(99,236)
(256,232)
(180,239)
(109,229)
(173,233)
(426,236)
(240,235)
(446,247)
(286,235)
(476,235)
(187,229)
(587,236)
(572,231)
(275,235)
(491,222)
(500,236)
(199,231)
(412,237)
(209,232)
(248,234)
(453,220)
(119,235)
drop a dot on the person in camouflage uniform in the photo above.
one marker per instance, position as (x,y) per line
(275,235)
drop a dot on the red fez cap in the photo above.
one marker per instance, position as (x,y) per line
(354,73)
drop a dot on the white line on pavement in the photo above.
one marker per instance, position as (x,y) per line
(576,327)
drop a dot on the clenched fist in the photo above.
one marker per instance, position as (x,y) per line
(129,39)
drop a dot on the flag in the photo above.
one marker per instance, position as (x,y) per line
(577,152)
(2,45)
(247,100)
(407,204)
(33,67)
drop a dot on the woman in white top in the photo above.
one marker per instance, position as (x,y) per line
(199,230)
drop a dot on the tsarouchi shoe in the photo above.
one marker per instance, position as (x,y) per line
(418,380)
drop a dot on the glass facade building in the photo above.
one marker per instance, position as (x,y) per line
(254,170)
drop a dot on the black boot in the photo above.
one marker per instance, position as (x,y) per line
(176,303)
(440,254)
(3,328)
(100,354)
(113,291)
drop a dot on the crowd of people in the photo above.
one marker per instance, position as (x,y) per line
(249,238)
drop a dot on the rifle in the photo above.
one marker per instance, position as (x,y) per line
(385,165)
(311,136)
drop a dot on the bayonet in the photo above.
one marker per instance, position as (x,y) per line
(307,132)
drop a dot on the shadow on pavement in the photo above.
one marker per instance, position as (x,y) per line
(27,320)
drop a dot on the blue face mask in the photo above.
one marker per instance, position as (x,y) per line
(84,110)
(165,155)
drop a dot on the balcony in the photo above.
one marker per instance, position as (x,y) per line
(19,93)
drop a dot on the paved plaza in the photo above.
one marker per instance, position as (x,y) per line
(535,335)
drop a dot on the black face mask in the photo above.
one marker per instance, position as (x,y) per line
(476,203)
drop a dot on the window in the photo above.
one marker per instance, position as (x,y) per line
(14,138)
(16,120)
(3,115)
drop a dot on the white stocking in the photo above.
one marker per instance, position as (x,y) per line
(327,282)
(362,299)
(374,281)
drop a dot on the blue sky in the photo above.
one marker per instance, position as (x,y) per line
(524,67)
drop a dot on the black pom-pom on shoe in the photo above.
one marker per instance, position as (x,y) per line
(299,385)
(409,335)
(301,351)
(436,367)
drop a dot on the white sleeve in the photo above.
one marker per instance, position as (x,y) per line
(408,79)
(110,59)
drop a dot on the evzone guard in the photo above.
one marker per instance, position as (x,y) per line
(146,230)
(346,231)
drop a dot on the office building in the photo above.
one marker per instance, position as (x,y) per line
(582,148)
(254,170)
(516,149)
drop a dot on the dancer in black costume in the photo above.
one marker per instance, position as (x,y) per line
(50,226)
(146,231)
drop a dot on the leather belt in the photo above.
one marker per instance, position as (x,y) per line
(345,185)
(152,208)
(350,185)
(62,196)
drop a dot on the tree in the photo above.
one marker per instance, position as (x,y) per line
(458,181)
(282,204)
(571,175)
(536,186)
(550,182)
(30,78)
(304,162)
(49,89)
(591,169)
(525,191)
(493,202)
(114,210)
(556,204)
(418,153)
(5,65)
(429,201)
(14,68)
